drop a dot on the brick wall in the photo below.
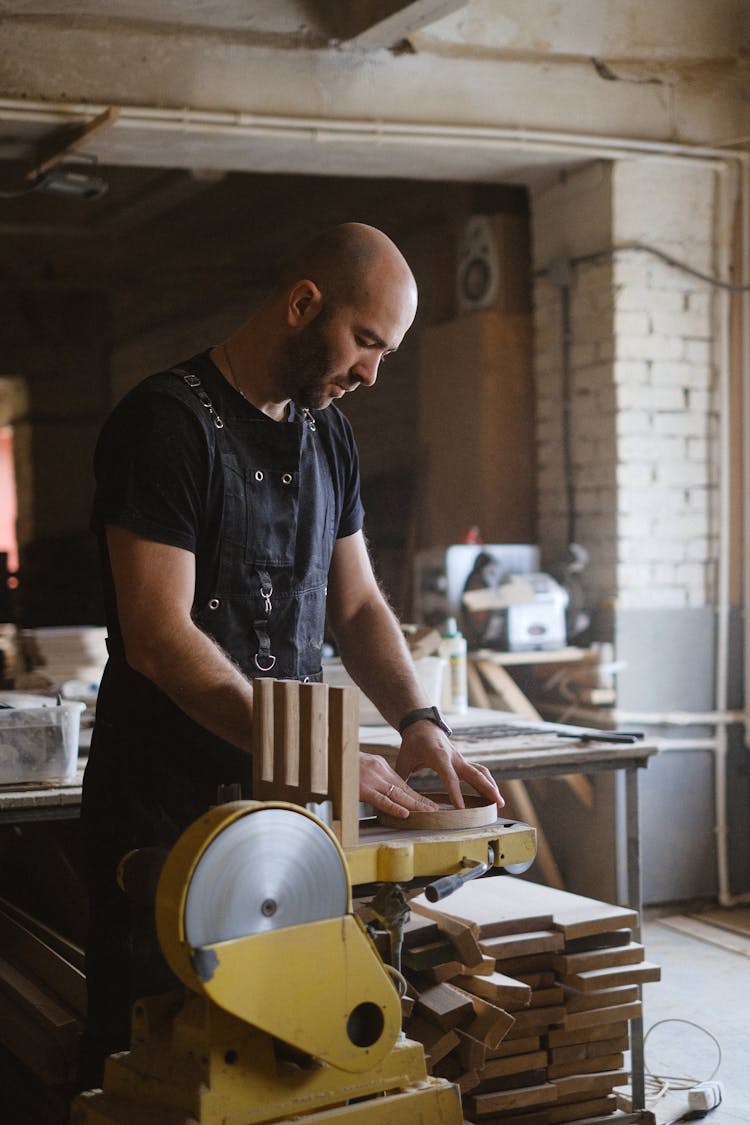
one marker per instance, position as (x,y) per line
(642,381)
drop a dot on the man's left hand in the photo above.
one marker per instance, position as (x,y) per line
(425,746)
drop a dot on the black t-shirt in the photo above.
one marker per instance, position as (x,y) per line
(157,472)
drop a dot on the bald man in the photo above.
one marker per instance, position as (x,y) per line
(230,522)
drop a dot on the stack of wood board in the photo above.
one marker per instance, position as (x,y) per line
(522,994)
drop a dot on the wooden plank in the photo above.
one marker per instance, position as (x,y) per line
(525,1045)
(598,1017)
(503,685)
(482,1105)
(585,1066)
(608,998)
(578,1051)
(436,1042)
(26,993)
(531,1019)
(481,903)
(451,969)
(343,762)
(514,1064)
(445,1006)
(472,1052)
(609,940)
(515,945)
(263,745)
(421,957)
(41,1052)
(576,1087)
(497,988)
(563,1037)
(596,979)
(588,1111)
(27,951)
(547,997)
(286,733)
(630,954)
(491,1023)
(313,739)
(493,902)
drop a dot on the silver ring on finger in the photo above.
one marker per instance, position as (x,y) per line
(390,790)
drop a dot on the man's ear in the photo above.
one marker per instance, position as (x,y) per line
(305,302)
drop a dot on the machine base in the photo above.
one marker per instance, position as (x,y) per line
(205,1067)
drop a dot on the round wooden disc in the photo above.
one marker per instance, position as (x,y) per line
(477,814)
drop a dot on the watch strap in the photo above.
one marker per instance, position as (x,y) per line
(431,714)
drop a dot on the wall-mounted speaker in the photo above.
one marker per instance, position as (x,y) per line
(493,268)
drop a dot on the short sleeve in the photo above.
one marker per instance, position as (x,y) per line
(152,468)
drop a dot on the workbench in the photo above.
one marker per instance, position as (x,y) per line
(520,755)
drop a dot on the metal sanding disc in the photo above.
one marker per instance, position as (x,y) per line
(270,869)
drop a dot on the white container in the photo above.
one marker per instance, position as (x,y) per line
(38,739)
(429,671)
(453,649)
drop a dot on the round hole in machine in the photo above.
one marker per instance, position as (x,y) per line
(365,1024)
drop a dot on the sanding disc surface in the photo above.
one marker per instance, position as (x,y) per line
(270,869)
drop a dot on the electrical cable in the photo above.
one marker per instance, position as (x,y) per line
(643,248)
(662,1084)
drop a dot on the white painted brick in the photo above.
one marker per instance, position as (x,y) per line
(641,447)
(634,525)
(701,303)
(698,598)
(698,351)
(632,323)
(681,472)
(634,474)
(673,423)
(703,402)
(651,347)
(633,574)
(698,449)
(633,422)
(692,574)
(680,324)
(631,372)
(681,373)
(632,297)
(698,548)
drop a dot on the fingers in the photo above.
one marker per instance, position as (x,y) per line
(381,787)
(480,778)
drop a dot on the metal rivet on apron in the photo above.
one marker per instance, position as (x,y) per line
(258,474)
(214,603)
(287,478)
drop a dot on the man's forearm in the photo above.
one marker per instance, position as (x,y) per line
(200,678)
(377,658)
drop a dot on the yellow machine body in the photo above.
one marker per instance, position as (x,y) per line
(298,1022)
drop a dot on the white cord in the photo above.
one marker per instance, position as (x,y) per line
(662,1084)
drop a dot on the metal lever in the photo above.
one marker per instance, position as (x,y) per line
(473,868)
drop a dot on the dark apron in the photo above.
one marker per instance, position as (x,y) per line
(152,771)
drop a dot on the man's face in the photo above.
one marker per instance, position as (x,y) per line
(342,348)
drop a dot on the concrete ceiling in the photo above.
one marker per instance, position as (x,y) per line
(179,92)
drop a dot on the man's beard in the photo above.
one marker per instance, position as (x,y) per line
(306,367)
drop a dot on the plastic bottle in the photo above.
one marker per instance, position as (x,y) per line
(453,651)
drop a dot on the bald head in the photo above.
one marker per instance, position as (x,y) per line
(347,262)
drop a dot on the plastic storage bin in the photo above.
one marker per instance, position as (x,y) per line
(38,739)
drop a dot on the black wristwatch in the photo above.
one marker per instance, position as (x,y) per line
(432,714)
